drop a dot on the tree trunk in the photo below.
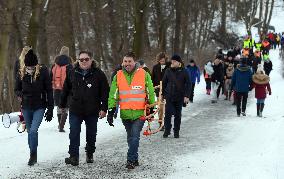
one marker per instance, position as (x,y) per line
(34,24)
(139,13)
(223,17)
(113,31)
(67,27)
(176,48)
(42,40)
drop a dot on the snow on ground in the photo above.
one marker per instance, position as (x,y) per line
(254,146)
(52,144)
(214,143)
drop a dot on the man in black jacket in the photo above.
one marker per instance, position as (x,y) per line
(89,90)
(217,78)
(176,91)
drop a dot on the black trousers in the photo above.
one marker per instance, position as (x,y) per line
(173,108)
(221,86)
(241,100)
(192,92)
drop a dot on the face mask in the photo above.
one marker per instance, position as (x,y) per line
(30,71)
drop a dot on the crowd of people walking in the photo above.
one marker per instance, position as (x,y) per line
(81,89)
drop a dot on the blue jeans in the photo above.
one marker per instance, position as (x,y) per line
(75,122)
(260,101)
(33,120)
(133,129)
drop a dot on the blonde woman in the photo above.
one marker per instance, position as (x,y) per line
(33,88)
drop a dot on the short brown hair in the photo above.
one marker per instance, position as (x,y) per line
(161,55)
(130,54)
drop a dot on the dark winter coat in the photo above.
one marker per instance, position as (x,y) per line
(267,66)
(60,60)
(242,78)
(194,73)
(176,84)
(16,69)
(218,74)
(158,74)
(89,91)
(255,62)
(35,94)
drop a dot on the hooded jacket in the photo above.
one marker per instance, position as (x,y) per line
(35,94)
(242,78)
(194,73)
(176,84)
(261,83)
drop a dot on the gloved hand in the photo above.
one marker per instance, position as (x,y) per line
(48,114)
(110,115)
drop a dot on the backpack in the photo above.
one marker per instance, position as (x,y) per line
(59,76)
(209,69)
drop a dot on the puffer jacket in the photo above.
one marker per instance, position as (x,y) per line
(261,84)
(176,84)
(242,78)
(35,93)
(88,91)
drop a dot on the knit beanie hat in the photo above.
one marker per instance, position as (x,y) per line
(176,58)
(30,59)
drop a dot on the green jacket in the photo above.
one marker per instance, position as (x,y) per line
(129,114)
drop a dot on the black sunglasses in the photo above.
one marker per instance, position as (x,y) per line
(84,59)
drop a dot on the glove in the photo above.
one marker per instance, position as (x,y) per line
(110,115)
(48,114)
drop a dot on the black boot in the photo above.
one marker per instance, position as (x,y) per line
(166,134)
(258,109)
(136,163)
(130,165)
(261,109)
(33,159)
(59,120)
(89,158)
(62,122)
(72,160)
(176,134)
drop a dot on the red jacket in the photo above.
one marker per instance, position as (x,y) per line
(260,90)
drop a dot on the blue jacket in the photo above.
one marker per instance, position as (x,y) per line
(194,73)
(242,78)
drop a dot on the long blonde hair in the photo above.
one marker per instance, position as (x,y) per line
(36,73)
(22,69)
